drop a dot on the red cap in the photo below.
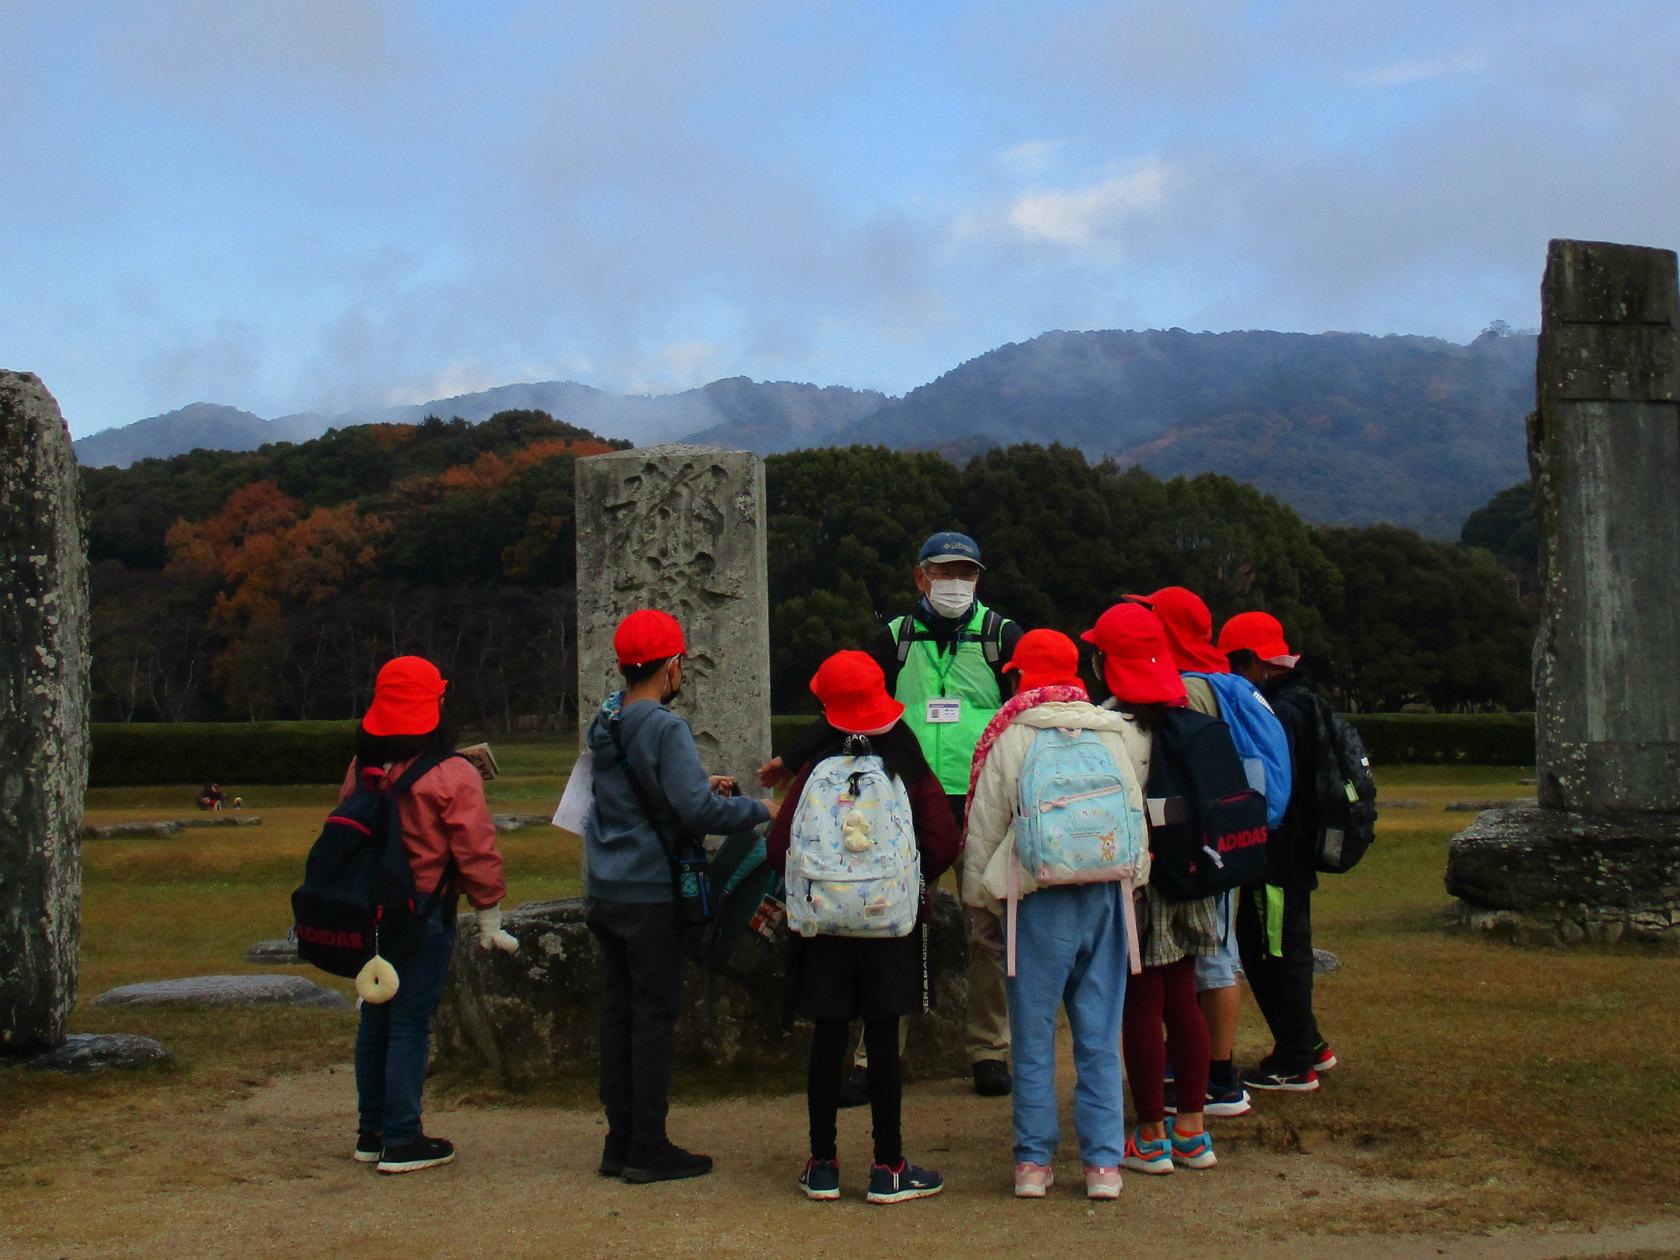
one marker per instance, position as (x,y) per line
(1189,628)
(853,691)
(1260,633)
(407,698)
(648,635)
(1137,663)
(1046,658)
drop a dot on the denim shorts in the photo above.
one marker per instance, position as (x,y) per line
(1219,970)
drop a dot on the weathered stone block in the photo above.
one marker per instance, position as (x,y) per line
(98,1052)
(681,528)
(534,1015)
(43,715)
(219,991)
(1595,282)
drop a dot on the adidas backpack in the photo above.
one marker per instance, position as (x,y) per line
(358,897)
(852,866)
(1259,737)
(1207,826)
(1075,822)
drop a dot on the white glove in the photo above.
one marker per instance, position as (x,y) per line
(490,934)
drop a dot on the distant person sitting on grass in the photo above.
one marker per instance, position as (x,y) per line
(211,796)
(450,841)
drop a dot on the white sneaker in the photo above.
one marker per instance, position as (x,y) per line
(1032,1180)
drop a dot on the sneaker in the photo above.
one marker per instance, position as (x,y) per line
(991,1078)
(1032,1180)
(1324,1058)
(895,1185)
(1222,1101)
(1147,1155)
(369,1147)
(664,1163)
(854,1089)
(1193,1150)
(1100,1183)
(1267,1075)
(821,1179)
(423,1152)
(615,1153)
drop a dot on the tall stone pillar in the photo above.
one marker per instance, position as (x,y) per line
(1599,859)
(681,528)
(43,715)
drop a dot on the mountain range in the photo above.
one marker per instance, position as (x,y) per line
(1345,428)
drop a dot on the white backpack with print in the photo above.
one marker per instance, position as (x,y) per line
(852,866)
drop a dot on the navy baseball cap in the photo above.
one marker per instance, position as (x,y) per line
(949,545)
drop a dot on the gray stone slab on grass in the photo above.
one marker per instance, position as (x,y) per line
(1324,962)
(1476,807)
(517,822)
(223,991)
(98,1052)
(164,827)
(277,953)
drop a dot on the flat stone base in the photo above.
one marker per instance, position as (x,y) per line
(1548,877)
(93,1052)
(221,991)
(534,1015)
(276,953)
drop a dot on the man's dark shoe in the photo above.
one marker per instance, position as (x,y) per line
(369,1147)
(991,1078)
(423,1152)
(1269,1074)
(664,1163)
(854,1089)
(615,1153)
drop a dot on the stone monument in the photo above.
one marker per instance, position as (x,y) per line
(43,721)
(1598,858)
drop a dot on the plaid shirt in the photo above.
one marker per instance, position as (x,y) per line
(1171,930)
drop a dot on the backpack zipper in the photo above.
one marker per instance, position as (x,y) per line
(1046,806)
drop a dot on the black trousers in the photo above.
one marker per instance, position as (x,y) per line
(829,1044)
(641,995)
(1282,984)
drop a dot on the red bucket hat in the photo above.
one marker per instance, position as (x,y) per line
(853,691)
(1189,628)
(1046,658)
(648,635)
(1137,663)
(1260,633)
(407,698)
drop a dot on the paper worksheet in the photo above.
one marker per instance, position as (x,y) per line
(579,795)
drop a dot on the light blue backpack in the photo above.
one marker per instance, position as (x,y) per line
(1075,821)
(1260,739)
(852,866)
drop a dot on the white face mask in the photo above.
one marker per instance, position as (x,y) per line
(950,597)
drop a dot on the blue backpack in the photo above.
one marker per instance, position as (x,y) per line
(1075,821)
(1259,737)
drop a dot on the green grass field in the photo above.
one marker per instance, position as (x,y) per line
(1510,1082)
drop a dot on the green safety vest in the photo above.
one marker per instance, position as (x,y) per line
(962,672)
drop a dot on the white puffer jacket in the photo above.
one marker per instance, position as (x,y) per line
(990,844)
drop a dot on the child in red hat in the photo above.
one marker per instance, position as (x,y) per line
(405,742)
(867,754)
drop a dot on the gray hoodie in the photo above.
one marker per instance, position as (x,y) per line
(626,861)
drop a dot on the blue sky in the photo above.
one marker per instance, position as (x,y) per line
(321,206)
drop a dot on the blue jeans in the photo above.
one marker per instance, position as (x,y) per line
(394,1039)
(1070,949)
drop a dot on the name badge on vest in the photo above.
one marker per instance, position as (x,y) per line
(943,711)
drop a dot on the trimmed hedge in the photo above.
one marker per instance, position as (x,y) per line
(1482,739)
(129,754)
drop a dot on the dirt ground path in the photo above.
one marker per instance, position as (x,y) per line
(269,1175)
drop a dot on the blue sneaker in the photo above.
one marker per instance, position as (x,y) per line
(1193,1150)
(821,1179)
(895,1185)
(1145,1155)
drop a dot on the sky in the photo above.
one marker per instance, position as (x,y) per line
(319,206)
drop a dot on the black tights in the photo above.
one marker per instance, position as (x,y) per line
(830,1045)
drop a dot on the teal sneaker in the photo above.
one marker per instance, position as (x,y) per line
(1193,1150)
(895,1185)
(821,1179)
(1145,1155)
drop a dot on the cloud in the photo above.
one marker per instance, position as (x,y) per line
(467,376)
(1097,213)
(1402,73)
(1030,156)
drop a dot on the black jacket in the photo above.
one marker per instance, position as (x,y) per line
(1293,699)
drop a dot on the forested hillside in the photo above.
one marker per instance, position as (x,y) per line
(273,583)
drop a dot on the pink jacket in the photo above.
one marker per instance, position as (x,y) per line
(444,815)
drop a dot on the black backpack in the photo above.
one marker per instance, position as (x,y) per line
(1207,826)
(358,897)
(1346,790)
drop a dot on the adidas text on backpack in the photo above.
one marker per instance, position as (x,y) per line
(1075,822)
(358,896)
(1207,826)
(853,868)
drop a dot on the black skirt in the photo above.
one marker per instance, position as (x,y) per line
(843,977)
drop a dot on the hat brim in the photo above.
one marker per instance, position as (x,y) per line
(1285,660)
(950,559)
(408,718)
(871,719)
(1142,682)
